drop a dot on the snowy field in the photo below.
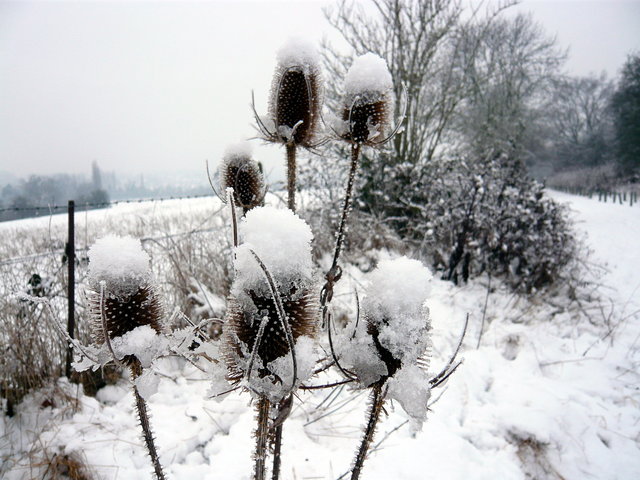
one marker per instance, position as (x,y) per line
(547,394)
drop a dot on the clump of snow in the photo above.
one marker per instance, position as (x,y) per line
(235,150)
(410,388)
(395,304)
(298,52)
(147,384)
(357,352)
(143,342)
(282,241)
(368,73)
(119,262)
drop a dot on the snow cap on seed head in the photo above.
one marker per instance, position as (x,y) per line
(282,240)
(119,262)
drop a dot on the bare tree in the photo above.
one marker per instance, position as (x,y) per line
(512,67)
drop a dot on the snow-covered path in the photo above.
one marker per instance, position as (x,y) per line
(546,396)
(613,232)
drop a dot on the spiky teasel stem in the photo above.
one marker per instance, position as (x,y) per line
(291,176)
(277,448)
(377,402)
(333,275)
(262,437)
(143,416)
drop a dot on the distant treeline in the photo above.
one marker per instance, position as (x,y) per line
(28,197)
(40,195)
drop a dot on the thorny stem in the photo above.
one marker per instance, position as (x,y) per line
(234,220)
(262,434)
(277,448)
(282,410)
(291,175)
(143,415)
(333,274)
(377,400)
(448,369)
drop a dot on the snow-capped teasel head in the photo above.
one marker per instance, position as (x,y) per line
(296,96)
(395,310)
(368,102)
(395,330)
(273,303)
(239,171)
(122,297)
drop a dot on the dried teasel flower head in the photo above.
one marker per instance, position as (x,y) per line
(368,102)
(239,171)
(393,342)
(295,99)
(269,340)
(395,312)
(121,296)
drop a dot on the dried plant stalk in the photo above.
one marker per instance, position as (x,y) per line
(377,401)
(143,416)
(262,438)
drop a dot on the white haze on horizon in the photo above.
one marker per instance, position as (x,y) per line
(162,87)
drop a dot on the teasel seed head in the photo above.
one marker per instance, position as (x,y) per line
(121,297)
(281,242)
(368,102)
(239,171)
(295,100)
(394,332)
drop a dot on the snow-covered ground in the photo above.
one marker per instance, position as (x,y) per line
(547,395)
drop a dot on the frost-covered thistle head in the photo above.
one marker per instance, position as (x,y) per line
(295,100)
(368,102)
(282,242)
(391,343)
(121,296)
(239,171)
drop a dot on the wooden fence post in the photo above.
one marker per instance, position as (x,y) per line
(71,264)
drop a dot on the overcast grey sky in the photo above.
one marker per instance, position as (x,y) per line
(149,86)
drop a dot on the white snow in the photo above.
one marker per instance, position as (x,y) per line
(143,342)
(395,303)
(282,241)
(368,73)
(239,149)
(410,387)
(543,377)
(118,261)
(298,52)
